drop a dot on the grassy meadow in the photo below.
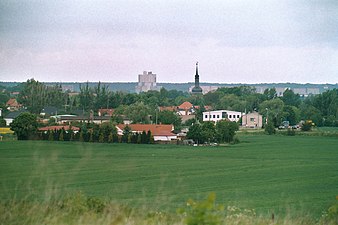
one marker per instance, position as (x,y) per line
(284,175)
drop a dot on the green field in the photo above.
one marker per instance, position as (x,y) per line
(279,174)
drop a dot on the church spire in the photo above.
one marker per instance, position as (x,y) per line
(197,89)
(197,69)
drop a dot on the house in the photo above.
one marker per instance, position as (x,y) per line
(49,111)
(13,105)
(105,112)
(159,132)
(11,116)
(66,128)
(66,119)
(252,120)
(218,115)
(186,108)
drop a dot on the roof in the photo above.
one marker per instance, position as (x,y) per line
(185,105)
(13,115)
(75,118)
(49,110)
(220,111)
(108,112)
(59,128)
(155,129)
(208,107)
(12,102)
(168,108)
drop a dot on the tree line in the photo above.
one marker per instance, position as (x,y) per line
(26,127)
(322,109)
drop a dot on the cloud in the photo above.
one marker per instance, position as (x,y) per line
(236,41)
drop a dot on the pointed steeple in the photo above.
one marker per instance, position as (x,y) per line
(197,89)
(196,75)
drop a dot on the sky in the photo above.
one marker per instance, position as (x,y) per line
(234,41)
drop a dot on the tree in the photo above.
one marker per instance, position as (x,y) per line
(126,134)
(208,132)
(226,130)
(86,97)
(169,117)
(61,136)
(36,95)
(195,132)
(307,125)
(25,126)
(102,96)
(138,113)
(272,109)
(291,114)
(270,128)
(290,98)
(270,93)
(309,112)
(2,122)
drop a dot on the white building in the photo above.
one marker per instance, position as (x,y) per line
(146,82)
(221,115)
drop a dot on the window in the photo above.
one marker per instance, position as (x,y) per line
(206,116)
(237,116)
(230,116)
(224,115)
(214,116)
(217,116)
(252,119)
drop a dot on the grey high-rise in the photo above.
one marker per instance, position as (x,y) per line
(197,89)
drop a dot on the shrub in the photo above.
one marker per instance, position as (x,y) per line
(79,203)
(203,212)
(331,216)
(270,128)
(307,126)
(291,132)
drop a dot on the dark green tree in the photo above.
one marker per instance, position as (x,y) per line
(291,114)
(25,126)
(194,133)
(62,134)
(169,117)
(290,98)
(208,132)
(86,97)
(270,93)
(126,134)
(2,122)
(270,128)
(138,113)
(226,130)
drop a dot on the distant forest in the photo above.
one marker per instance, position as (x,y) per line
(129,87)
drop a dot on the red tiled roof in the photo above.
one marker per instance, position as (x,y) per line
(59,128)
(155,129)
(208,107)
(108,112)
(12,102)
(185,105)
(168,108)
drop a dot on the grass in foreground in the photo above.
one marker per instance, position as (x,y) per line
(79,209)
(287,176)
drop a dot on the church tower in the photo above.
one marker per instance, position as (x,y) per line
(197,89)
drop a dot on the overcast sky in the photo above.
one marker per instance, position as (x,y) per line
(234,41)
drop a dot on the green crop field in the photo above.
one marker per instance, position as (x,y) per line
(279,174)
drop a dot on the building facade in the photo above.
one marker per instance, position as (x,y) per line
(218,115)
(252,120)
(146,82)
